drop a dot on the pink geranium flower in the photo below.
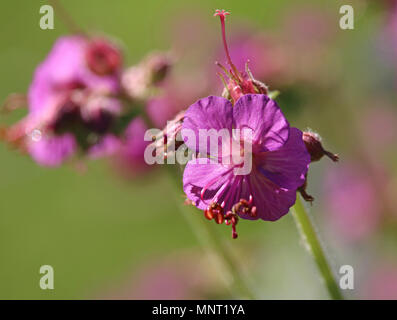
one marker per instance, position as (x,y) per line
(279,160)
(276,154)
(72,100)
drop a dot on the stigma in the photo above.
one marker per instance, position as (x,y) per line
(238,83)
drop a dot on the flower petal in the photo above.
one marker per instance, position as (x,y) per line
(53,151)
(270,129)
(64,67)
(211,113)
(205,174)
(108,145)
(287,166)
(271,201)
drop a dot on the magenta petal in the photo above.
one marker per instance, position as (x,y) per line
(135,143)
(59,69)
(287,166)
(204,173)
(107,146)
(272,202)
(131,155)
(53,151)
(211,113)
(270,129)
(64,67)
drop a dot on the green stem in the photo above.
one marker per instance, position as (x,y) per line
(220,254)
(309,236)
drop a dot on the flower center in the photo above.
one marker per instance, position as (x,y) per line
(227,192)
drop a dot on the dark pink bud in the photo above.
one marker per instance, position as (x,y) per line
(313,145)
(102,57)
(159,66)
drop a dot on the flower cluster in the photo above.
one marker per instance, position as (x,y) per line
(81,101)
(280,154)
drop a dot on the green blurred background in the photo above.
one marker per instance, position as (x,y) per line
(101,232)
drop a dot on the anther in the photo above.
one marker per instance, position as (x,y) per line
(219,218)
(208,214)
(232,219)
(214,211)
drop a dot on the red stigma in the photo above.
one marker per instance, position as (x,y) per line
(239,83)
(221,13)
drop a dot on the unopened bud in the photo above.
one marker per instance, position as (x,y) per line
(159,65)
(102,57)
(313,145)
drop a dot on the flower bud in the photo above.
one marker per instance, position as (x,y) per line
(313,145)
(159,65)
(102,57)
(139,80)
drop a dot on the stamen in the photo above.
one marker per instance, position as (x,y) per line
(231,192)
(254,212)
(218,195)
(208,214)
(222,16)
(214,211)
(227,220)
(234,233)
(220,75)
(232,219)
(248,71)
(223,68)
(244,207)
(209,184)
(227,72)
(165,141)
(219,218)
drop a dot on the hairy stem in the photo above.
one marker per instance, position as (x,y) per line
(219,253)
(309,236)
